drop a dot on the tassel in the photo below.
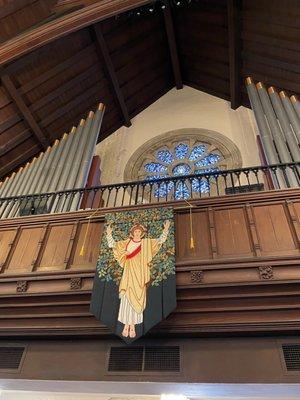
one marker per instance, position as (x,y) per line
(82,249)
(192,243)
(81,253)
(192,240)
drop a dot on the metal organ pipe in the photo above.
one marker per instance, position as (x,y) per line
(282,149)
(263,127)
(285,124)
(292,115)
(87,155)
(64,165)
(296,104)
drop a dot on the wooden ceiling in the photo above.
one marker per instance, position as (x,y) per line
(130,60)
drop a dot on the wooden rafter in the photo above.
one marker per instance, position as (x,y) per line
(24,110)
(172,45)
(103,53)
(14,142)
(64,25)
(233,7)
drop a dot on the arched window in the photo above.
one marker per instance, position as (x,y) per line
(179,153)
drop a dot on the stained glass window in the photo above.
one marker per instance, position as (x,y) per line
(165,156)
(181,169)
(181,151)
(182,159)
(197,152)
(208,160)
(155,167)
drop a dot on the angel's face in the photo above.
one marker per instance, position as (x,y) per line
(137,234)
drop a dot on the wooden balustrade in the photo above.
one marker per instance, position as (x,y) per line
(243,275)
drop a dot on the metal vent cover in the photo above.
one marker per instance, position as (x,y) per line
(291,353)
(10,357)
(128,358)
(144,359)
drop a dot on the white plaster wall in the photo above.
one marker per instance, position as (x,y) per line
(186,108)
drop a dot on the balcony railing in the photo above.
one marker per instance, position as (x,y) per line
(207,184)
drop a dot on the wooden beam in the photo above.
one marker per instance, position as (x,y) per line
(233,13)
(91,71)
(14,6)
(11,121)
(172,45)
(103,53)
(20,160)
(14,142)
(24,110)
(72,22)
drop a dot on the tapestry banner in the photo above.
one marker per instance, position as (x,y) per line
(134,286)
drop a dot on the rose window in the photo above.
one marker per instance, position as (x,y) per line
(179,160)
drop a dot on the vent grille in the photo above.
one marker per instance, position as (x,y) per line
(10,357)
(144,359)
(291,354)
(166,358)
(126,358)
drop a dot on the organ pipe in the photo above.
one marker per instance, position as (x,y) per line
(63,166)
(292,115)
(285,124)
(296,104)
(275,127)
(264,130)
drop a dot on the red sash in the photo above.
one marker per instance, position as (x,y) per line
(134,253)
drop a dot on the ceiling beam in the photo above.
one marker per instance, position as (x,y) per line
(104,55)
(72,22)
(172,45)
(14,142)
(24,110)
(234,47)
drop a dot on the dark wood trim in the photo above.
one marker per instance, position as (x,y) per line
(13,143)
(11,121)
(23,157)
(104,55)
(62,26)
(14,6)
(234,47)
(24,110)
(169,25)
(64,87)
(68,63)
(87,94)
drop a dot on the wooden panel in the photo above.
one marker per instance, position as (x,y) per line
(6,240)
(91,248)
(232,233)
(201,234)
(24,251)
(274,231)
(56,247)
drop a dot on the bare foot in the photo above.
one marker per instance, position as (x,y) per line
(132,333)
(125,331)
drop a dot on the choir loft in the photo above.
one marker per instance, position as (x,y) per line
(149,199)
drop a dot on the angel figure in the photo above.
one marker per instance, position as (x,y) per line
(134,256)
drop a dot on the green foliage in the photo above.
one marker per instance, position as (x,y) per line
(162,265)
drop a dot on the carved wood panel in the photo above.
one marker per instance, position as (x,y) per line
(24,250)
(232,233)
(201,234)
(91,247)
(274,231)
(6,240)
(56,247)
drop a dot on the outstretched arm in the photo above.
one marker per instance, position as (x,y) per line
(110,240)
(164,235)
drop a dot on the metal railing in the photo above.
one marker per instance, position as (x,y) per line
(187,187)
